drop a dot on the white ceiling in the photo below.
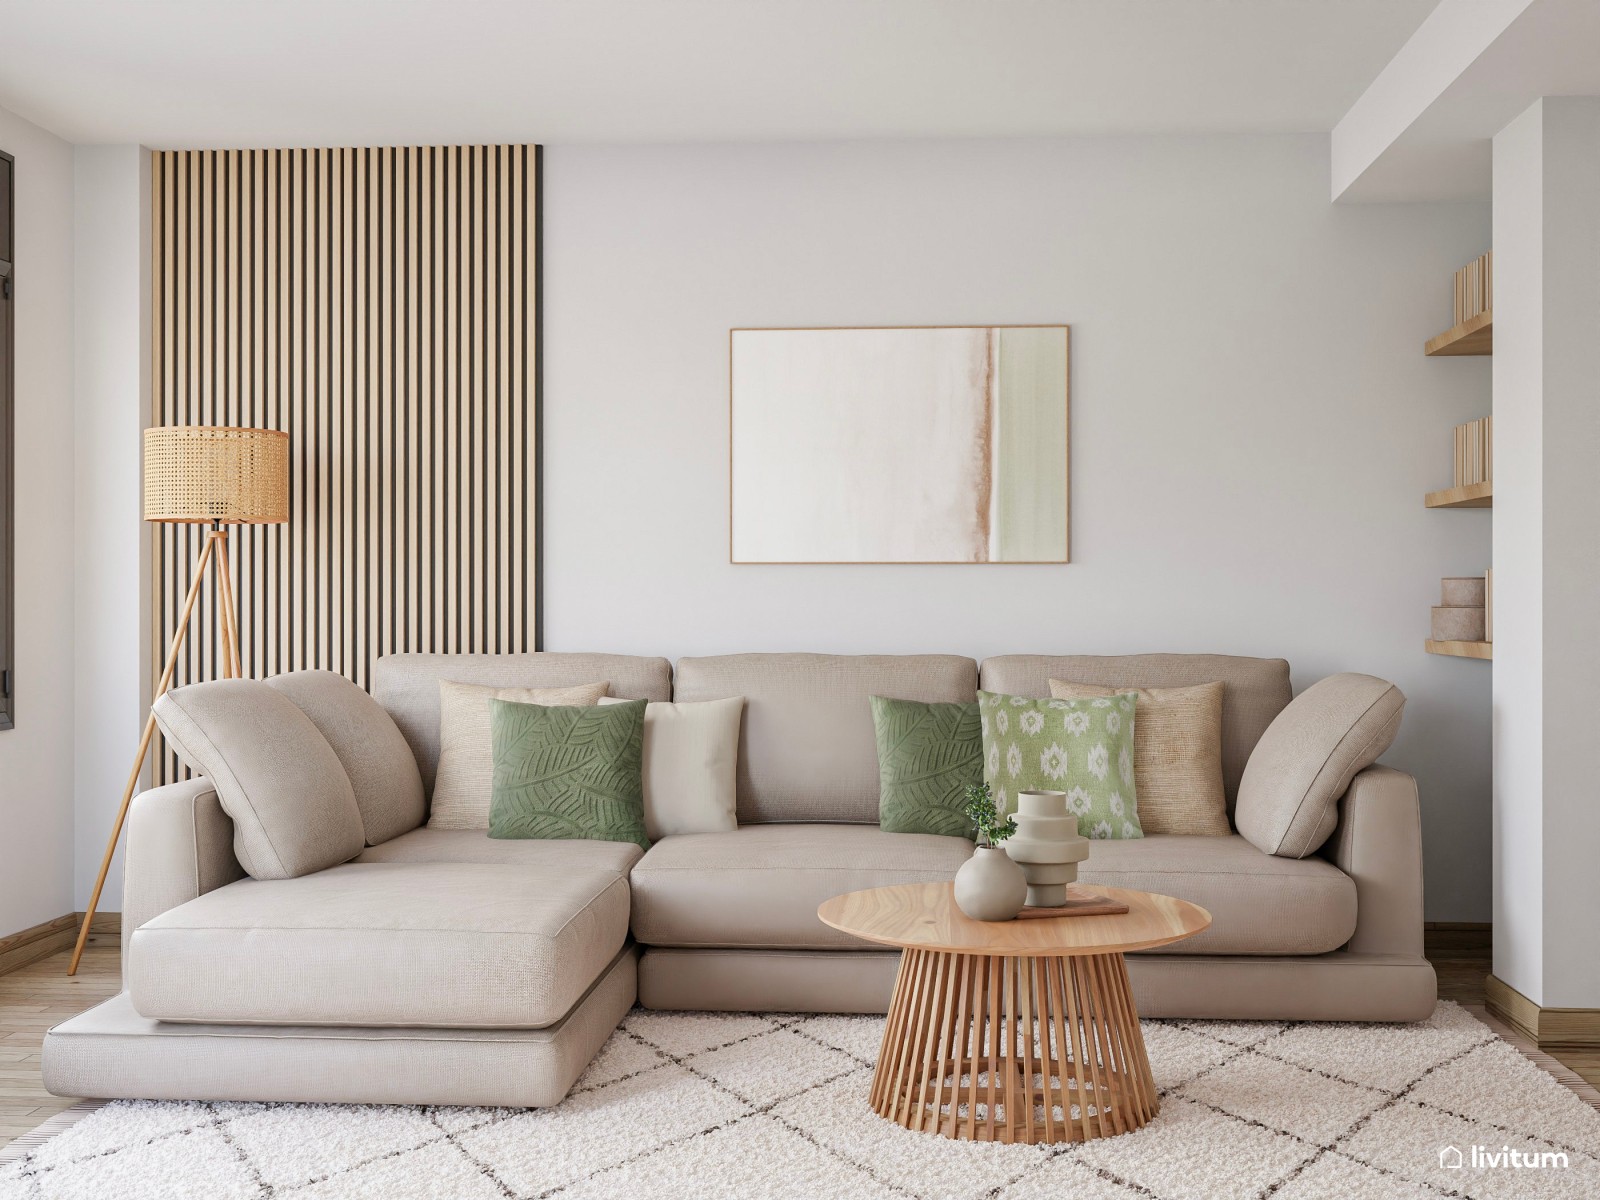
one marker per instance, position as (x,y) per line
(177,73)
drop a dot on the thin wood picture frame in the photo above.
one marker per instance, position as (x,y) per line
(994,407)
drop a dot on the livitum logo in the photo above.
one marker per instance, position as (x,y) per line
(1482,1157)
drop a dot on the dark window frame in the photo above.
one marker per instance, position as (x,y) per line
(8,344)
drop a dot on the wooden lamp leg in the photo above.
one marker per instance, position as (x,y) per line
(144,749)
(230,625)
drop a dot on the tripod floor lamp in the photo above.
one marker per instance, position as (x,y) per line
(201,475)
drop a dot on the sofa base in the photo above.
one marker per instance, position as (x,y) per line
(111,1052)
(822,981)
(1328,987)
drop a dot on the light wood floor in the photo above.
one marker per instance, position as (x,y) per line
(33,998)
(1461,959)
(37,996)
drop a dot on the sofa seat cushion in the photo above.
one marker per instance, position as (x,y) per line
(1259,903)
(759,887)
(428,845)
(452,945)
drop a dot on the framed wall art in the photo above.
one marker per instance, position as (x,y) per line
(943,444)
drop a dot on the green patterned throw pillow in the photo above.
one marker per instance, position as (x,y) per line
(568,772)
(927,755)
(1081,747)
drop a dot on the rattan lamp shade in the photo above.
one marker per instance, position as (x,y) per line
(216,473)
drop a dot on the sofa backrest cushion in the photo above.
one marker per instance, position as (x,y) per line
(294,811)
(407,685)
(806,748)
(1255,690)
(383,771)
(1289,800)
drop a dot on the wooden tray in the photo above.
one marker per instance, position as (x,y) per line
(1081,902)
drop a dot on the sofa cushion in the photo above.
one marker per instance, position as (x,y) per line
(463,785)
(1255,690)
(691,766)
(562,773)
(928,756)
(1081,747)
(408,685)
(759,886)
(1177,755)
(383,771)
(1259,903)
(448,945)
(428,845)
(1289,798)
(806,748)
(292,805)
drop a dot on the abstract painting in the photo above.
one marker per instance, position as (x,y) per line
(909,445)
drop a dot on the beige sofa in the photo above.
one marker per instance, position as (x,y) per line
(445,967)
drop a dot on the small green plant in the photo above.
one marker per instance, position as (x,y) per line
(980,807)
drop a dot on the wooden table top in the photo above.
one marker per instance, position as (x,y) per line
(924,915)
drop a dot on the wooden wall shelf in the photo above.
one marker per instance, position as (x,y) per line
(1471,495)
(1475,335)
(1461,649)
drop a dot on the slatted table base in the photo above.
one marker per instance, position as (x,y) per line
(992,1048)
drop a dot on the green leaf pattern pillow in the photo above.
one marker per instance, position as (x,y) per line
(927,755)
(1081,747)
(562,772)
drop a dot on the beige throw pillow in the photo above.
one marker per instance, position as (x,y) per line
(465,780)
(691,766)
(1177,755)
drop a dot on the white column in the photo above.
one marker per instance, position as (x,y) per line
(111,617)
(1546,688)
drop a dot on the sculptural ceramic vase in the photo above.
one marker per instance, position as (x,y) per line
(1047,846)
(989,886)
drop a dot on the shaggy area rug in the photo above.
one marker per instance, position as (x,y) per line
(742,1106)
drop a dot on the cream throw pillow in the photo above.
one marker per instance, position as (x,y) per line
(464,782)
(691,766)
(1177,755)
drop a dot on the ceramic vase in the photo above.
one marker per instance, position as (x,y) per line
(1047,846)
(989,886)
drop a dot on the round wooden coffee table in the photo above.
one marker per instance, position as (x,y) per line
(1013,1031)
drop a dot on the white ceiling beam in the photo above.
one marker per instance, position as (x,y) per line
(1422,131)
(1449,41)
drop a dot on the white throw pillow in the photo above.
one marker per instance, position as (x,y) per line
(691,766)
(465,780)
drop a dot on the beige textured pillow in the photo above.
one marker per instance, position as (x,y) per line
(1300,769)
(1177,755)
(691,766)
(465,779)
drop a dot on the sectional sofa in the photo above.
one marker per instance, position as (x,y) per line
(443,967)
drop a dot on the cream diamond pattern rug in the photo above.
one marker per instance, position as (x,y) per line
(743,1106)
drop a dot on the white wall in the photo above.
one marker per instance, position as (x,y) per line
(1547,557)
(1253,421)
(36,757)
(111,618)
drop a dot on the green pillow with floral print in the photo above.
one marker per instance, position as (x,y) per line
(1081,747)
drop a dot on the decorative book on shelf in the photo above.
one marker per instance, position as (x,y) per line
(1474,452)
(1473,329)
(1475,288)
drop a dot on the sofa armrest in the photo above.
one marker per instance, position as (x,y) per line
(180,846)
(1378,843)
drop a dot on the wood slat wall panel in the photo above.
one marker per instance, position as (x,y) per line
(381,306)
